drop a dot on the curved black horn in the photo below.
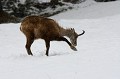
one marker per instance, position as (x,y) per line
(81,33)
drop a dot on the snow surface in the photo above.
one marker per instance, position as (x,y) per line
(88,10)
(98,55)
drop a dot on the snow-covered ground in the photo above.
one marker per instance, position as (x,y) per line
(98,55)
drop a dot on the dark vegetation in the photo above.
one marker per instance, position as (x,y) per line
(13,11)
(7,18)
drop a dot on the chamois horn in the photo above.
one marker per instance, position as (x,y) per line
(81,33)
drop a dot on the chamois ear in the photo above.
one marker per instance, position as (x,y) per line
(82,33)
(72,29)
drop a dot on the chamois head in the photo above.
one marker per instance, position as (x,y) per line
(73,36)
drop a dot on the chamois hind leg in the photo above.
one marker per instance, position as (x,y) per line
(47,46)
(28,45)
(64,39)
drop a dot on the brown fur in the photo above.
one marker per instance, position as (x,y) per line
(35,27)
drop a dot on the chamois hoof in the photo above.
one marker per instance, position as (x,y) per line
(47,54)
(30,54)
(73,48)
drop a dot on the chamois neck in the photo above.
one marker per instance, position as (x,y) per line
(66,32)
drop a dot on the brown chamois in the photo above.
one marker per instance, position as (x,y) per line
(35,27)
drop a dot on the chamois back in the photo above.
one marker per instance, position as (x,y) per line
(40,27)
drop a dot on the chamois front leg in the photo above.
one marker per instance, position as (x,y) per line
(47,46)
(64,39)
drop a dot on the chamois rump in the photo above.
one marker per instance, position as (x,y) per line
(35,27)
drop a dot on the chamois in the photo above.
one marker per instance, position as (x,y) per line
(35,27)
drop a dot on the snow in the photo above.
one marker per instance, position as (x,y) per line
(98,55)
(88,10)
